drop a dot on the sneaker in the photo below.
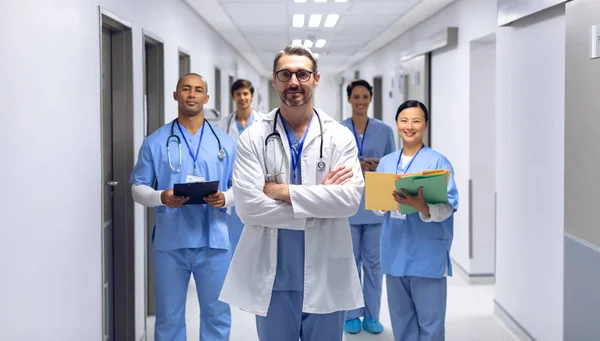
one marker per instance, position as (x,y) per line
(373,327)
(352,326)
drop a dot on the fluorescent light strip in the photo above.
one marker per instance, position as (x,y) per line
(298,20)
(331,20)
(315,20)
(316,55)
(320,43)
(308,43)
(297,42)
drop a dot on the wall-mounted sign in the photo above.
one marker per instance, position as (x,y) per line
(513,10)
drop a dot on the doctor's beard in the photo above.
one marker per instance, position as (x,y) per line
(294,103)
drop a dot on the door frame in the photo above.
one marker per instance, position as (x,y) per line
(154,102)
(123,159)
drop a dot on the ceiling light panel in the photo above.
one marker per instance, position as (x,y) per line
(315,20)
(297,42)
(308,43)
(298,20)
(331,20)
(320,43)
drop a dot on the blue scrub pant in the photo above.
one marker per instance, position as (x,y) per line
(235,227)
(172,271)
(417,307)
(286,322)
(366,241)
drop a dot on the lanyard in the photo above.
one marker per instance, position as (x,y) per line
(410,163)
(362,141)
(296,156)
(194,157)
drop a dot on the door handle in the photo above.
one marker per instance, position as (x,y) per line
(112,183)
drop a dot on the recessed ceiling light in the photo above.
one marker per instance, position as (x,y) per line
(308,43)
(298,20)
(315,20)
(316,55)
(297,42)
(320,43)
(331,20)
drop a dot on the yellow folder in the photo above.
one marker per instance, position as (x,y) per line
(378,191)
(380,186)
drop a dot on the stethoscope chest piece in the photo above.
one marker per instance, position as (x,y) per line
(321,165)
(221,154)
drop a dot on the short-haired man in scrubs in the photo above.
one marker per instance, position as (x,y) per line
(242,93)
(187,239)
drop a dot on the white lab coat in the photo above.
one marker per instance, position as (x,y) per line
(229,124)
(331,281)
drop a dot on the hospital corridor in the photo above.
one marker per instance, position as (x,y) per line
(470,317)
(300,170)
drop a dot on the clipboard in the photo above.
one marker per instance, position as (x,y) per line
(196,191)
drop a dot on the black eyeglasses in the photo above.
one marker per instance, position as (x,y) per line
(285,75)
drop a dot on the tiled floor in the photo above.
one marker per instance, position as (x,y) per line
(469,317)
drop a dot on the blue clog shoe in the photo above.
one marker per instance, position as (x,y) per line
(352,326)
(373,327)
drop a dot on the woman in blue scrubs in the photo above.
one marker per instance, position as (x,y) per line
(374,139)
(415,248)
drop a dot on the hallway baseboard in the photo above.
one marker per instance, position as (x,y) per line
(511,324)
(473,279)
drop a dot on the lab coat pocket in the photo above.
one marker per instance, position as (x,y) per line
(341,243)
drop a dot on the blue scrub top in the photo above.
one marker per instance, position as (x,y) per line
(239,126)
(411,247)
(192,226)
(290,243)
(378,141)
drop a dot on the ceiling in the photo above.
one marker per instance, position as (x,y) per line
(260,28)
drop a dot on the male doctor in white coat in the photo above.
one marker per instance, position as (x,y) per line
(296,180)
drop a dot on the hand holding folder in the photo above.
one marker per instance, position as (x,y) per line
(434,183)
(196,191)
(379,188)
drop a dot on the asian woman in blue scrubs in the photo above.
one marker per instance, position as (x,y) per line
(374,139)
(415,248)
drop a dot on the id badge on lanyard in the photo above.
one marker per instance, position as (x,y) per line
(397,214)
(194,178)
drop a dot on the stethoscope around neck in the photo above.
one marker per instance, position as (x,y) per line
(231,118)
(276,135)
(220,155)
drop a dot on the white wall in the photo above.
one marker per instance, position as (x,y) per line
(449,92)
(50,216)
(327,95)
(530,171)
(483,154)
